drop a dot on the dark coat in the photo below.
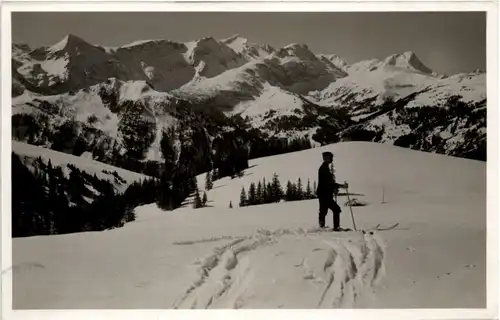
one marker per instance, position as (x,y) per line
(326,184)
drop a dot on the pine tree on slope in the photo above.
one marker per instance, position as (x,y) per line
(208,181)
(269,193)
(277,193)
(289,191)
(299,191)
(260,195)
(265,194)
(252,194)
(243,198)
(308,194)
(205,199)
(197,203)
(294,192)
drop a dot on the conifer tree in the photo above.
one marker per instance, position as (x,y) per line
(299,192)
(269,193)
(192,184)
(289,191)
(164,198)
(197,203)
(294,192)
(243,198)
(208,181)
(230,204)
(308,194)
(265,195)
(205,199)
(252,194)
(260,195)
(277,192)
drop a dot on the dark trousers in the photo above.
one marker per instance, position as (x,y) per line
(325,204)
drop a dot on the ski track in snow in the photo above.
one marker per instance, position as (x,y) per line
(353,265)
(352,269)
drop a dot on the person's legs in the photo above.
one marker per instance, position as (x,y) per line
(323,211)
(336,213)
(336,220)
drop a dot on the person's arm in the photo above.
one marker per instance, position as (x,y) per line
(344,185)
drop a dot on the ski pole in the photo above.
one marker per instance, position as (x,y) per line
(350,208)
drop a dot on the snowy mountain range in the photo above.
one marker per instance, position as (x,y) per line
(112,98)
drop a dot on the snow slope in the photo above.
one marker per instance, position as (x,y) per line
(247,49)
(336,60)
(272,100)
(29,153)
(263,256)
(398,82)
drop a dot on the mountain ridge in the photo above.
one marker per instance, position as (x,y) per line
(242,41)
(279,93)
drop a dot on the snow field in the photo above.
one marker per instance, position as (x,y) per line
(271,256)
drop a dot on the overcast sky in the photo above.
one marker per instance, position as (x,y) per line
(446,42)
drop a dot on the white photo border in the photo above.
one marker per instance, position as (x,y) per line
(491,7)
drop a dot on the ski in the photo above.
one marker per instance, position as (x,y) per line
(364,231)
(340,230)
(387,228)
(328,229)
(376,228)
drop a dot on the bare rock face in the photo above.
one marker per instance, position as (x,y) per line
(302,71)
(294,68)
(247,49)
(73,64)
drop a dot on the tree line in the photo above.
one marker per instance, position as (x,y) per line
(46,201)
(272,191)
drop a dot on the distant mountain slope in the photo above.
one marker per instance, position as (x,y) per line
(118,177)
(397,77)
(399,100)
(105,117)
(57,193)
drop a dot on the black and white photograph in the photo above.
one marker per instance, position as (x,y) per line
(249,160)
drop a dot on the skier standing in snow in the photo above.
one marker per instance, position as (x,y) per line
(326,188)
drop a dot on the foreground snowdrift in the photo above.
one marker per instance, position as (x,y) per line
(264,256)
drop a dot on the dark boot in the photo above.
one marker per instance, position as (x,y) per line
(336,221)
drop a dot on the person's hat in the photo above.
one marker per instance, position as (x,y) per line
(327,154)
